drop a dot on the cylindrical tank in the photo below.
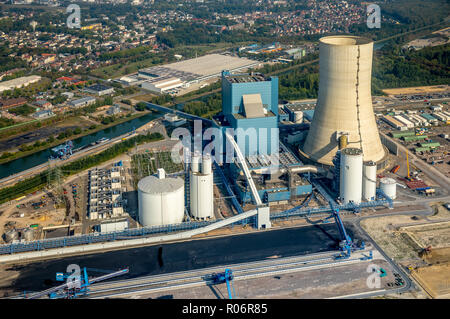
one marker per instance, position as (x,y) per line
(389,187)
(350,185)
(28,234)
(195,163)
(343,141)
(344,100)
(202,196)
(202,191)
(11,235)
(369,182)
(206,165)
(161,200)
(161,173)
(298,117)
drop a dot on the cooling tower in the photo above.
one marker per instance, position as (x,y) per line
(344,104)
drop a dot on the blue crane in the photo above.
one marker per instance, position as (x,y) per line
(76,284)
(225,277)
(346,244)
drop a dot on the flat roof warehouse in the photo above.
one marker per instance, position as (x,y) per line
(199,69)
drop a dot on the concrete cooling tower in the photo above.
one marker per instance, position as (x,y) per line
(344,104)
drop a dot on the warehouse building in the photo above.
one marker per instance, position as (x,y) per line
(19,82)
(159,85)
(394,123)
(99,89)
(43,114)
(191,70)
(4,104)
(85,101)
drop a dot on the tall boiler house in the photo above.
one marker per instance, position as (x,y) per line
(344,104)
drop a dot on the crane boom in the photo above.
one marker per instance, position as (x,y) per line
(407,163)
(84,283)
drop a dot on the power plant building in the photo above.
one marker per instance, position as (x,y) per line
(250,103)
(344,104)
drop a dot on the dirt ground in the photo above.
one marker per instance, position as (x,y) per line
(396,244)
(440,212)
(403,238)
(438,256)
(417,89)
(436,235)
(435,280)
(46,216)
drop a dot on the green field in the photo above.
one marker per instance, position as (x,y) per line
(147,163)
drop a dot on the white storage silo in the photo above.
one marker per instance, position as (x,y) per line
(369,182)
(202,191)
(28,234)
(298,117)
(11,235)
(161,200)
(195,163)
(350,186)
(206,165)
(389,187)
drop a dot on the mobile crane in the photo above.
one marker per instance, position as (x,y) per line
(225,277)
(76,284)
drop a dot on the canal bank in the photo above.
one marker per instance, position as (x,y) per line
(41,157)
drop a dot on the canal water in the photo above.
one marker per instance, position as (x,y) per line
(41,157)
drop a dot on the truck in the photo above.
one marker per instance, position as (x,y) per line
(395,169)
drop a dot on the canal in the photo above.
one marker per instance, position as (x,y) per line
(41,157)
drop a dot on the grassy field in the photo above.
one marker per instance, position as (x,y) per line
(146,164)
(120,69)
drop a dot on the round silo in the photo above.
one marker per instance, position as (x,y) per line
(161,200)
(389,187)
(11,235)
(298,117)
(28,234)
(206,165)
(369,182)
(196,159)
(350,186)
(202,191)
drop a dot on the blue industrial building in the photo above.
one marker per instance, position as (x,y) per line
(276,193)
(250,103)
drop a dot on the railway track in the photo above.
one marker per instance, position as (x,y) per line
(196,278)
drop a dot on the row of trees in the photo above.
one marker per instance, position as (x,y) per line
(396,67)
(211,106)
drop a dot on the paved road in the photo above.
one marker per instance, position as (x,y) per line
(356,222)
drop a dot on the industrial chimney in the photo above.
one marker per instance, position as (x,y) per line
(344,104)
